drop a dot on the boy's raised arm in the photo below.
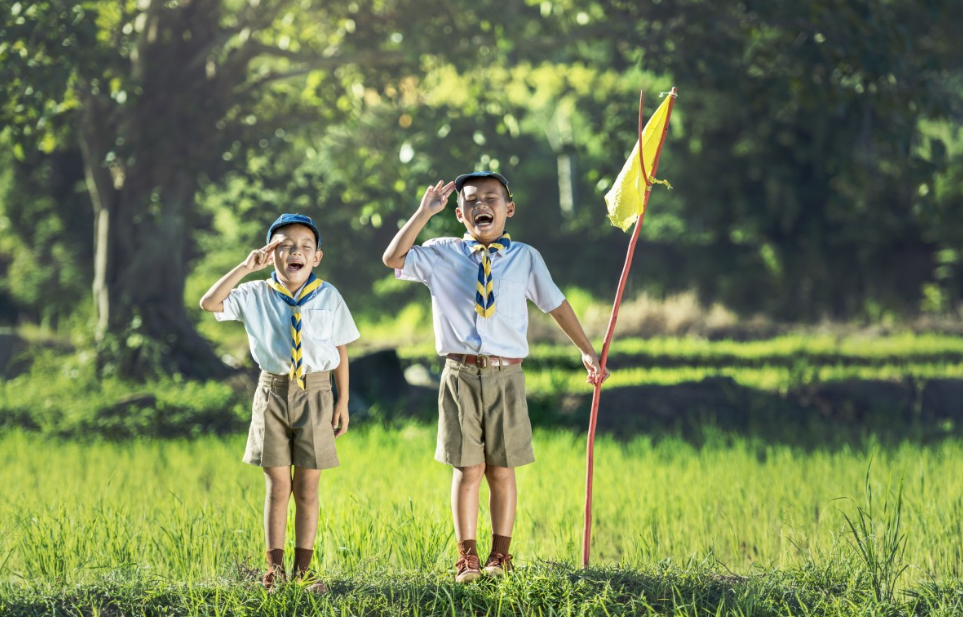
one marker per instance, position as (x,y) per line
(565,317)
(213,300)
(432,202)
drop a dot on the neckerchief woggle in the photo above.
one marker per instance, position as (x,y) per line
(485,288)
(308,292)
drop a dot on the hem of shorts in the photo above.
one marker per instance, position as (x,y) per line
(449,461)
(514,464)
(321,466)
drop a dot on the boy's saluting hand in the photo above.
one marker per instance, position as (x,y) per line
(259,259)
(262,257)
(432,202)
(436,198)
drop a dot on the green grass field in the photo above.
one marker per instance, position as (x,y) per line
(145,527)
(739,524)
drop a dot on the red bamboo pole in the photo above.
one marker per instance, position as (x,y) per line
(610,330)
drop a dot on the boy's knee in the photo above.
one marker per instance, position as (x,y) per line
(279,492)
(500,474)
(305,495)
(470,475)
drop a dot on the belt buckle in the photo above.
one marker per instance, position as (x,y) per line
(482,361)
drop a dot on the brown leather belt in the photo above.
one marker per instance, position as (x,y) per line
(483,361)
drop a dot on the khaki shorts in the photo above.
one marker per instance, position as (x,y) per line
(291,426)
(483,416)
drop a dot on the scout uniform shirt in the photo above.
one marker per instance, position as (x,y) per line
(326,324)
(450,270)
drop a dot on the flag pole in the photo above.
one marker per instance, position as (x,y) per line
(610,330)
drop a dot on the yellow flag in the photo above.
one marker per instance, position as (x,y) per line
(624,199)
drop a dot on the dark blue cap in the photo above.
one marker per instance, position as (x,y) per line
(462,179)
(294,219)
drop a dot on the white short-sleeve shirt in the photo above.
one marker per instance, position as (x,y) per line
(450,270)
(325,324)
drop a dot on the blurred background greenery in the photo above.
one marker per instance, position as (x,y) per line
(816,153)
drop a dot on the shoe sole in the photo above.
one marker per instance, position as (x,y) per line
(467,577)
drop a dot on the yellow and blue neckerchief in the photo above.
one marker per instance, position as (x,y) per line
(308,292)
(485,289)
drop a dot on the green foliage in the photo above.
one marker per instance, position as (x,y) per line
(804,120)
(45,246)
(62,396)
(808,136)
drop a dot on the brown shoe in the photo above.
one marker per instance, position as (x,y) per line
(303,574)
(467,569)
(498,564)
(275,574)
(311,582)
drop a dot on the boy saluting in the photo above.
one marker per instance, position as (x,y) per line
(298,327)
(479,284)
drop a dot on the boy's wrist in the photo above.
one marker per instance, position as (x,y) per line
(423,216)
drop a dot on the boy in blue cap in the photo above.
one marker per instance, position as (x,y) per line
(298,327)
(479,284)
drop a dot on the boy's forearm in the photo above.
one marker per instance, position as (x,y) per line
(394,256)
(565,317)
(213,300)
(341,375)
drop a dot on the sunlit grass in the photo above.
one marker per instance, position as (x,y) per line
(188,510)
(554,381)
(906,346)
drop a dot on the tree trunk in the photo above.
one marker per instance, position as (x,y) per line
(142,160)
(140,266)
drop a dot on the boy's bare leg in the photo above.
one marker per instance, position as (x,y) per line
(306,506)
(306,526)
(465,483)
(503,497)
(276,498)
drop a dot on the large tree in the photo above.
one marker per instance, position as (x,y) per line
(159,97)
(162,98)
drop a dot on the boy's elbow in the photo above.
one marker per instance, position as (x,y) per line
(207,305)
(392,261)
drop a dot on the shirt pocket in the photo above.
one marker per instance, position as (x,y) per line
(510,298)
(317,324)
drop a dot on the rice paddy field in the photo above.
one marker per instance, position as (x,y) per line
(138,526)
(777,365)
(730,524)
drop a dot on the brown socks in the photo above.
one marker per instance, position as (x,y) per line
(275,573)
(302,570)
(302,561)
(468,547)
(499,561)
(303,573)
(500,544)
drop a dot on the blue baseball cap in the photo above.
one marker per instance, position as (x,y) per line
(462,179)
(293,219)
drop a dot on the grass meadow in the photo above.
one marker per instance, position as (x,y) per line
(96,519)
(733,527)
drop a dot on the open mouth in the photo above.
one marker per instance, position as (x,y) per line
(483,218)
(295,266)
